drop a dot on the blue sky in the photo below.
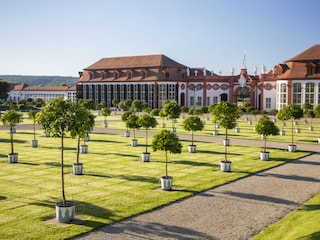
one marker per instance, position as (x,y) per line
(61,37)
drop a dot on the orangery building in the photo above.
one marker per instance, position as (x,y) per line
(156,78)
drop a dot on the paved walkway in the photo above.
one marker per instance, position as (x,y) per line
(238,210)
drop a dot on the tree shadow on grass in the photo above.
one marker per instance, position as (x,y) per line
(139,178)
(311,236)
(82,208)
(30,164)
(14,140)
(56,164)
(192,163)
(104,141)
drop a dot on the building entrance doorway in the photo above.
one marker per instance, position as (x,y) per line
(242,96)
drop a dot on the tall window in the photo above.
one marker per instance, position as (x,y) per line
(208,101)
(268,102)
(309,95)
(297,94)
(199,100)
(162,94)
(171,92)
(215,99)
(282,95)
(191,101)
(150,95)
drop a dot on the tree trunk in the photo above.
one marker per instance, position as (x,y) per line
(225,147)
(265,143)
(11,139)
(166,164)
(78,149)
(62,168)
(192,137)
(146,140)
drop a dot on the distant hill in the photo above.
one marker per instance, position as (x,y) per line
(40,80)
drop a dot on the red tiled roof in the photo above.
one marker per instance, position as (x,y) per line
(312,53)
(25,87)
(134,62)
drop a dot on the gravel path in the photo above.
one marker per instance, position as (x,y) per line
(237,210)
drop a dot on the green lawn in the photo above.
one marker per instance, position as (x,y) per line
(302,224)
(116,184)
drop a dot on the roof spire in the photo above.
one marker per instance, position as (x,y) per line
(244,60)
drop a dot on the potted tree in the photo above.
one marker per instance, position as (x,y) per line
(124,118)
(162,114)
(172,110)
(32,115)
(311,114)
(215,132)
(168,142)
(292,112)
(81,121)
(192,123)
(227,114)
(105,112)
(146,121)
(133,123)
(58,113)
(306,107)
(266,127)
(11,118)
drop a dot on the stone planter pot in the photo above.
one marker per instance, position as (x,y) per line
(174,129)
(297,130)
(13,158)
(215,132)
(192,148)
(84,149)
(226,142)
(274,120)
(14,130)
(65,212)
(305,121)
(310,129)
(105,125)
(318,139)
(145,157)
(250,122)
(263,136)
(254,128)
(295,123)
(225,166)
(163,125)
(284,124)
(292,148)
(237,130)
(46,134)
(282,132)
(264,155)
(34,143)
(127,133)
(87,138)
(77,168)
(218,125)
(134,142)
(246,119)
(166,183)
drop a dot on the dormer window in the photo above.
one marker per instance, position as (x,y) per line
(167,75)
(129,75)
